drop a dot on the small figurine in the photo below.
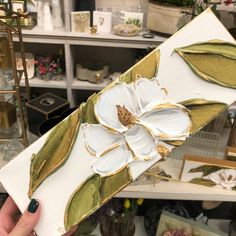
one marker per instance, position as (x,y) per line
(93,30)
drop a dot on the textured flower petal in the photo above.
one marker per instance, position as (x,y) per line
(113,161)
(149,93)
(141,143)
(168,122)
(98,140)
(215,177)
(228,185)
(106,110)
(226,178)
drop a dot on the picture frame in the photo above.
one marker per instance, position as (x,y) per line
(170,223)
(211,172)
(18,6)
(29,57)
(230,153)
(80,21)
(135,18)
(103,21)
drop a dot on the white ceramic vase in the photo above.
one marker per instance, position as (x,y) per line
(40,13)
(47,17)
(56,14)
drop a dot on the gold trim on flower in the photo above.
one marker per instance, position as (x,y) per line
(139,113)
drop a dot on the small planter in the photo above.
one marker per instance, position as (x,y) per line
(166,19)
(118,225)
(58,77)
(45,77)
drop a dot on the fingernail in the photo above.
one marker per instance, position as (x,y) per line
(33,206)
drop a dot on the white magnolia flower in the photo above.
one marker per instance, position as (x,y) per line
(225,177)
(133,117)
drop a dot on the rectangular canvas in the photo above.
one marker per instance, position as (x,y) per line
(209,172)
(103,21)
(106,144)
(135,18)
(80,21)
(230,153)
(170,223)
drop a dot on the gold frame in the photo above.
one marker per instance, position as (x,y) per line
(9,31)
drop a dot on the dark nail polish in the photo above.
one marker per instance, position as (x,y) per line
(33,206)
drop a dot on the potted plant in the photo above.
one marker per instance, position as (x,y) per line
(42,66)
(117,217)
(56,70)
(167,16)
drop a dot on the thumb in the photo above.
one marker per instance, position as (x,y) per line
(28,220)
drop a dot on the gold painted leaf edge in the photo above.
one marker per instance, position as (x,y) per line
(204,76)
(101,201)
(32,188)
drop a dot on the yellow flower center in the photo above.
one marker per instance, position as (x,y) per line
(126,118)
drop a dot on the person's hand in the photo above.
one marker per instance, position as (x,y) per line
(10,226)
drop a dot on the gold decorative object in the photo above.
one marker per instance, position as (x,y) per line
(7,50)
(93,30)
(5,55)
(7,114)
(126,30)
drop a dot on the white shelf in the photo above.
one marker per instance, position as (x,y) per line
(60,36)
(85,85)
(177,191)
(39,83)
(226,8)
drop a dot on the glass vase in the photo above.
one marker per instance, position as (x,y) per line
(118,225)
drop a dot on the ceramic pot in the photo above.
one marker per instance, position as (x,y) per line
(166,19)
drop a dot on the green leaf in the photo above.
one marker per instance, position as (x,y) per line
(87,110)
(55,151)
(203,114)
(234,188)
(93,193)
(115,183)
(206,169)
(202,181)
(213,61)
(126,77)
(147,67)
(83,202)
